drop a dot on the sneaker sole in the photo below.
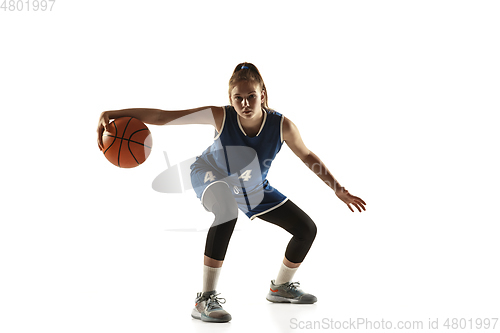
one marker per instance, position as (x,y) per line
(280,299)
(215,320)
(197,315)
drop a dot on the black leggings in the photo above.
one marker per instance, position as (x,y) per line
(219,200)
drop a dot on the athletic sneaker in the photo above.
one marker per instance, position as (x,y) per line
(289,293)
(208,308)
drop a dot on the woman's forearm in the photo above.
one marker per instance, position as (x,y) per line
(201,115)
(319,168)
(147,116)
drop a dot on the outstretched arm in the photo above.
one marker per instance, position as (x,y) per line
(293,139)
(205,115)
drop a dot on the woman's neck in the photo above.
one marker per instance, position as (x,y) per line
(252,126)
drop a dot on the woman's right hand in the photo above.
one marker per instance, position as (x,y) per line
(102,126)
(350,199)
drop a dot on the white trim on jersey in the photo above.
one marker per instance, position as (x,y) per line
(223,122)
(217,181)
(263,123)
(261,126)
(281,128)
(270,209)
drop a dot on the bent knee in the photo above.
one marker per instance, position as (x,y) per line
(308,231)
(313,230)
(219,200)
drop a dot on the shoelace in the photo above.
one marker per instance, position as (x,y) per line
(215,302)
(293,285)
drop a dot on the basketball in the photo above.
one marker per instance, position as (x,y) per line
(127,142)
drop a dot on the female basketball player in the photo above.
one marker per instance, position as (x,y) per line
(231,174)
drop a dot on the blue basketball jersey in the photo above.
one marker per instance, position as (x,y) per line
(242,162)
(245,160)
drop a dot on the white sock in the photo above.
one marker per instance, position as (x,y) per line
(210,277)
(285,274)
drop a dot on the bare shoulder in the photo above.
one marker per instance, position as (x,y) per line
(293,139)
(289,128)
(218,113)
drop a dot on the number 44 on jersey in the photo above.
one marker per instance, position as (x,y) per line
(209,176)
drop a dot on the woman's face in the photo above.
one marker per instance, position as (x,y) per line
(247,98)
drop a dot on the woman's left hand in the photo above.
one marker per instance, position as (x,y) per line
(350,199)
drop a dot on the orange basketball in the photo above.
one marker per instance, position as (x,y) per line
(127,143)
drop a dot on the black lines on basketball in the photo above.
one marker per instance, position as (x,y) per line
(135,142)
(121,141)
(114,138)
(138,143)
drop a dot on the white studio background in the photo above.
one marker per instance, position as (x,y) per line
(398,98)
